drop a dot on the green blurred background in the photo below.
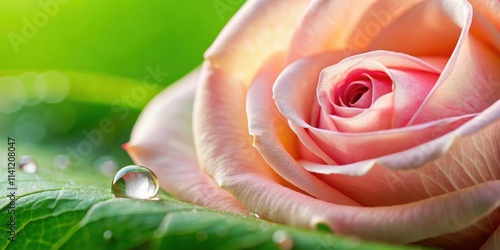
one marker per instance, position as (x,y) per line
(72,75)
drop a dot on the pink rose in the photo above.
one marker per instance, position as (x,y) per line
(380,119)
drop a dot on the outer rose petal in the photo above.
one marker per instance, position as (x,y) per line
(493,242)
(260,29)
(472,72)
(162,140)
(318,26)
(490,9)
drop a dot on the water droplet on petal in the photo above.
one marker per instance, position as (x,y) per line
(107,234)
(283,240)
(256,215)
(27,164)
(201,236)
(135,182)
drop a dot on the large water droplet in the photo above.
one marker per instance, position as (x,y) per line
(135,182)
(27,164)
(283,240)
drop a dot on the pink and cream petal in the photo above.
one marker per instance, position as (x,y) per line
(399,224)
(223,144)
(426,151)
(275,140)
(319,29)
(490,9)
(493,242)
(471,73)
(162,140)
(449,163)
(260,29)
(293,92)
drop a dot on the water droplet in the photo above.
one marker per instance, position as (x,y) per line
(283,240)
(255,215)
(135,182)
(27,164)
(201,236)
(194,210)
(107,234)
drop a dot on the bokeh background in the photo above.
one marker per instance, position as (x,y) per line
(75,75)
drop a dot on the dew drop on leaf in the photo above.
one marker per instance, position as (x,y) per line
(27,164)
(107,234)
(135,182)
(283,240)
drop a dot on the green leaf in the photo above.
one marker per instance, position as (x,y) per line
(59,215)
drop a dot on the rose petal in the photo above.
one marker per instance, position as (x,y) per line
(260,29)
(469,62)
(411,78)
(294,91)
(490,9)
(426,152)
(162,140)
(493,242)
(274,139)
(223,144)
(452,162)
(402,35)
(296,95)
(399,224)
(226,154)
(320,31)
